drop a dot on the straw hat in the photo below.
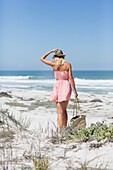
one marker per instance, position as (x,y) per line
(59,53)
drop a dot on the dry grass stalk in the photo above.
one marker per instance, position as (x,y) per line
(41,163)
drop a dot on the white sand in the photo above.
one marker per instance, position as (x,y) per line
(46,118)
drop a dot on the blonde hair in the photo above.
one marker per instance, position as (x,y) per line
(59,61)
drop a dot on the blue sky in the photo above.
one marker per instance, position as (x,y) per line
(83,29)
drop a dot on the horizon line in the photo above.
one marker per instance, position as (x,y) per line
(51,70)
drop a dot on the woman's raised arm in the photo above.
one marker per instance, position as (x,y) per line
(43,58)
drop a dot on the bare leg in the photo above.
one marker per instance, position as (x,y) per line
(62,113)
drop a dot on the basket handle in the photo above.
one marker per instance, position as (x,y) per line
(76,106)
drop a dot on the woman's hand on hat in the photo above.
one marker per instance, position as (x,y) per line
(54,50)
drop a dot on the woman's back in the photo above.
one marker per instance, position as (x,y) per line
(61,71)
(61,75)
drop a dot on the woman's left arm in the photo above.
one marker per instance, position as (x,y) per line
(43,58)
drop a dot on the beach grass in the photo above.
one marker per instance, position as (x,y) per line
(42,162)
(15,104)
(98,131)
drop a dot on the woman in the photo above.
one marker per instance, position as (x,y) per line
(62,89)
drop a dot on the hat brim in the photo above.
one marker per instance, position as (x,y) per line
(60,55)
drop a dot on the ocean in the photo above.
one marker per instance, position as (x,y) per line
(96,82)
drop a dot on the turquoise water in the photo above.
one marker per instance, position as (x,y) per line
(100,82)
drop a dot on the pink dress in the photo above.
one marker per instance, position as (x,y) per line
(62,88)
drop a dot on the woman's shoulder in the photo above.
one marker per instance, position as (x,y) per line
(68,64)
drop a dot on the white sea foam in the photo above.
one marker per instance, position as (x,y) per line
(36,82)
(24,79)
(93,82)
(14,77)
(21,80)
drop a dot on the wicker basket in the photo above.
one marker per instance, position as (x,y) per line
(78,121)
